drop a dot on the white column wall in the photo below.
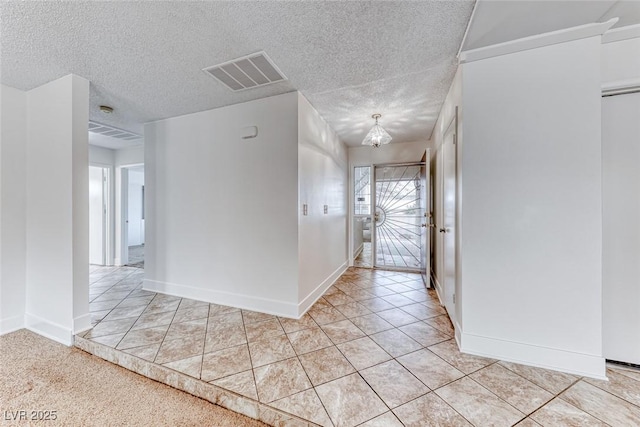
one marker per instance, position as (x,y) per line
(57,209)
(13,111)
(532,208)
(322,180)
(221,210)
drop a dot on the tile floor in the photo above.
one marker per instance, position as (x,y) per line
(375,350)
(364,258)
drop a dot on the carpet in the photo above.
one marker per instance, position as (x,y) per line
(42,380)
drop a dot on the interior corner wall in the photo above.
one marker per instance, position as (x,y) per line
(221,211)
(57,254)
(532,211)
(322,181)
(13,112)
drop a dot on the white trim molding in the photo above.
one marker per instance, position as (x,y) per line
(621,86)
(586,365)
(11,324)
(247,302)
(311,299)
(622,33)
(539,40)
(48,329)
(82,323)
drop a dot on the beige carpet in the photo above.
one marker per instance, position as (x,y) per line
(37,374)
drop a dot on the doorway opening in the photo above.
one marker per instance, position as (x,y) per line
(131,224)
(99,216)
(399,217)
(363,254)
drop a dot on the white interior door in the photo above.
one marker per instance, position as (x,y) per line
(97,216)
(621,227)
(448,228)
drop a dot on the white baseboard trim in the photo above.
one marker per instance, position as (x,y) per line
(11,324)
(82,323)
(358,251)
(48,329)
(311,299)
(247,302)
(581,364)
(439,290)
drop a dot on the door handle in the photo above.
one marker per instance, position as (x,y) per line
(443,230)
(423,225)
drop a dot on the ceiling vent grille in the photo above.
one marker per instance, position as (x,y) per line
(248,72)
(112,132)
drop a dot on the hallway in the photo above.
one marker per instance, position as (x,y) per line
(375,350)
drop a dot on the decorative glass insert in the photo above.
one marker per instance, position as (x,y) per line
(362,190)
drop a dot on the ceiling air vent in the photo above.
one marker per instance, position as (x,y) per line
(112,132)
(248,72)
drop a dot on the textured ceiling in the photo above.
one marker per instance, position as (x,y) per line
(350,59)
(500,21)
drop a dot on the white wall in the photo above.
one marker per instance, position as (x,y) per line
(322,180)
(532,207)
(13,112)
(621,59)
(134,208)
(222,212)
(101,156)
(129,156)
(394,152)
(57,191)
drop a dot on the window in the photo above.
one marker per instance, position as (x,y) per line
(362,190)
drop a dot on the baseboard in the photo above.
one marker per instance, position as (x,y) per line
(48,329)
(11,324)
(439,290)
(247,302)
(117,262)
(358,251)
(311,299)
(82,323)
(585,365)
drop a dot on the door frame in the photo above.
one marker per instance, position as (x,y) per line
(122,213)
(107,219)
(373,205)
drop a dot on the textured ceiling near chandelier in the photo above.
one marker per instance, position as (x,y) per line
(350,59)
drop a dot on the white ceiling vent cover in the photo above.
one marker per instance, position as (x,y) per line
(248,72)
(112,132)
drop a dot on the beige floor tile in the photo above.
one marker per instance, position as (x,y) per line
(627,372)
(194,328)
(325,365)
(467,363)
(359,294)
(424,334)
(619,385)
(350,401)
(325,316)
(104,305)
(153,320)
(309,340)
(342,331)
(512,388)
(147,352)
(388,419)
(393,383)
(338,298)
(261,330)
(396,342)
(429,368)
(242,383)
(270,350)
(552,381)
(191,313)
(353,309)
(602,405)
(399,288)
(225,336)
(180,348)
(442,323)
(376,304)
(135,301)
(397,317)
(381,291)
(109,340)
(217,309)
(320,304)
(478,405)
(363,353)
(189,303)
(398,300)
(560,413)
(222,363)
(142,337)
(280,379)
(126,312)
(417,296)
(222,321)
(527,422)
(419,311)
(294,325)
(190,366)
(371,323)
(162,305)
(305,404)
(429,410)
(254,316)
(110,327)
